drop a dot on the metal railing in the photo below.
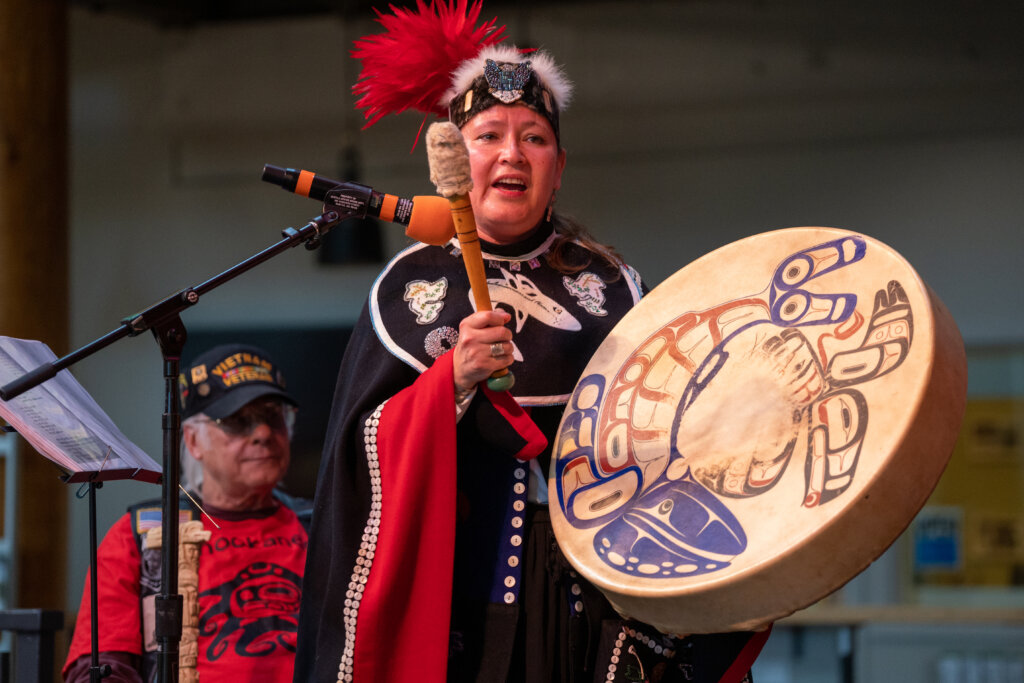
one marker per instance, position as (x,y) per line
(34,631)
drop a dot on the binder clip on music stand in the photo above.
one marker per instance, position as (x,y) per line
(121,462)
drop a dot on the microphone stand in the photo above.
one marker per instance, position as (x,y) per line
(164,321)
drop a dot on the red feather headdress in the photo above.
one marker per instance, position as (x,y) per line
(411,65)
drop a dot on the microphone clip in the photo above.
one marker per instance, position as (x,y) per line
(349,200)
(311,234)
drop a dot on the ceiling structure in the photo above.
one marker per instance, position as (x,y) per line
(185,13)
(999,24)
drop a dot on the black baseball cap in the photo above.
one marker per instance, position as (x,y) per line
(222,380)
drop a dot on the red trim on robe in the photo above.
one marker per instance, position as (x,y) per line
(519,418)
(403,623)
(745,659)
(405,613)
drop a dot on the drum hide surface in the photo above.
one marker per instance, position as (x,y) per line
(758,430)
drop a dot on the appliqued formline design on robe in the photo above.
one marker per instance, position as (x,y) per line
(426,299)
(545,310)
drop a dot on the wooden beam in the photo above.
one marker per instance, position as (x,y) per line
(34,192)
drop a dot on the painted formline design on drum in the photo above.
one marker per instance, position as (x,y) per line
(367,548)
(747,361)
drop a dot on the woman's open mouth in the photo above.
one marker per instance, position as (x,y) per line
(510,185)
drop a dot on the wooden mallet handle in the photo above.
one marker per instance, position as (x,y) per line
(451,173)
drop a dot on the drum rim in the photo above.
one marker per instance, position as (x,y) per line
(938,325)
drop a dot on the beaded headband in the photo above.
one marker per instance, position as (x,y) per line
(501,75)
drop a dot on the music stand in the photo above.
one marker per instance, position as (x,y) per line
(164,321)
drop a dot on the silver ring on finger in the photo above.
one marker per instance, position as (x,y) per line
(497,349)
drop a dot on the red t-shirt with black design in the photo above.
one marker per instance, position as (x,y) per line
(250,578)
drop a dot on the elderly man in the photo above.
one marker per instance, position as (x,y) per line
(236,449)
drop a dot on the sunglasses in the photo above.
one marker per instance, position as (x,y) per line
(275,414)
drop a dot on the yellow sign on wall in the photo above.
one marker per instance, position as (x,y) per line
(984,481)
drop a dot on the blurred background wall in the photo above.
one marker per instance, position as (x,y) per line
(694,124)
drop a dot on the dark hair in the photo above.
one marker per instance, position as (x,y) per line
(568,230)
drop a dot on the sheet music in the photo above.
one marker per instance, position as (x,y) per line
(62,421)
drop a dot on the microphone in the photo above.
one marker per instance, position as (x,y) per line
(427,219)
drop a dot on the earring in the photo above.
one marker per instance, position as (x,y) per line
(551,206)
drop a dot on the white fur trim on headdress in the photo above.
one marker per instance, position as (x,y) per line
(549,73)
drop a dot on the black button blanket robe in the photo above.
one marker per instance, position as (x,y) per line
(410,507)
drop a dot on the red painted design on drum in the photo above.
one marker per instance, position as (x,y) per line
(675,452)
(680,345)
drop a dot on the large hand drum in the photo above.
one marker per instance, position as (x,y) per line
(758,430)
